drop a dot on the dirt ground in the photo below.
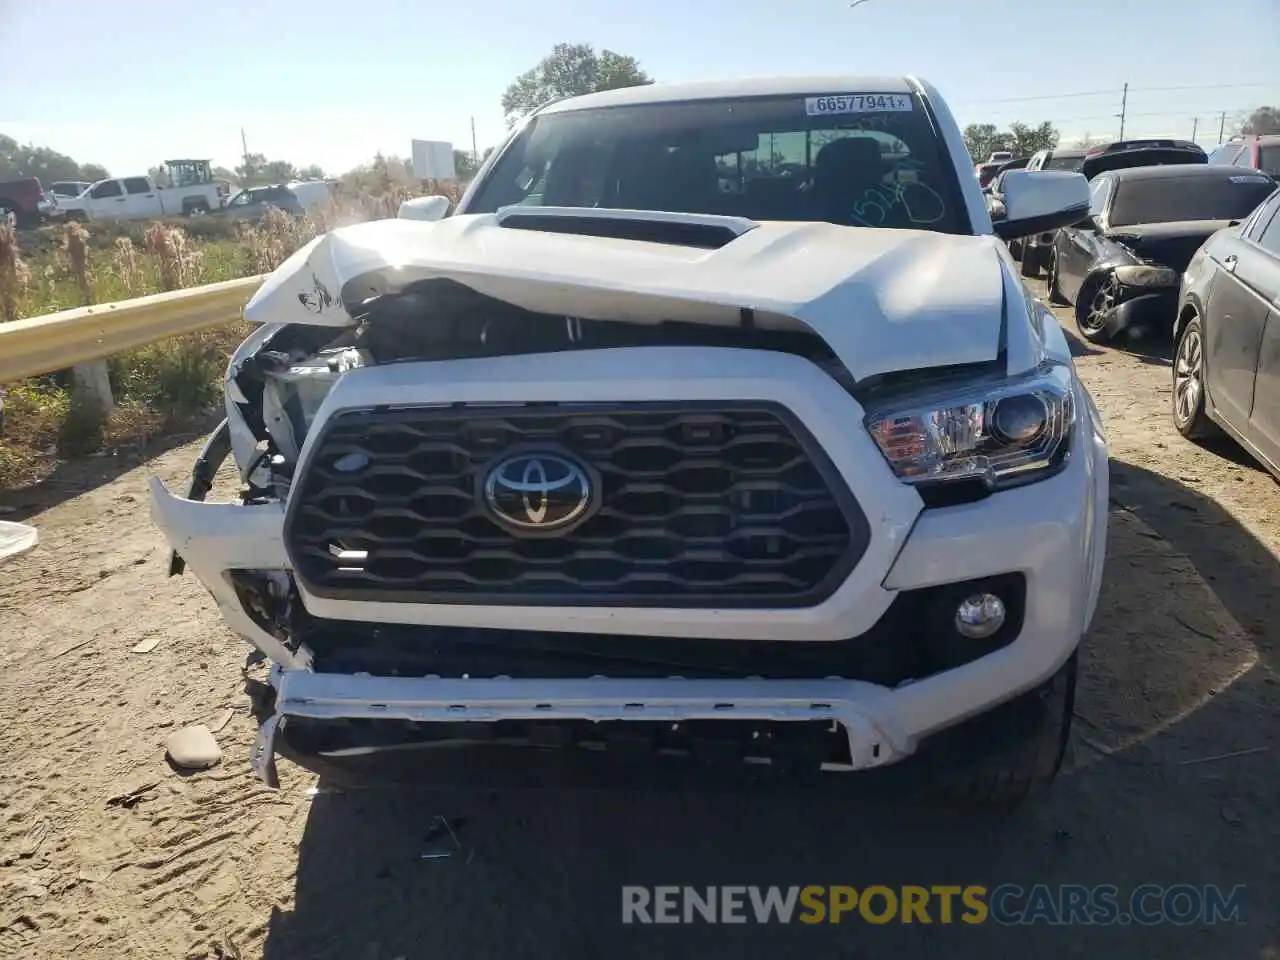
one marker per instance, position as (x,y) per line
(107,852)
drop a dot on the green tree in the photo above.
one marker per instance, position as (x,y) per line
(380,176)
(311,172)
(279,171)
(1021,140)
(981,139)
(1025,140)
(93,172)
(250,168)
(27,160)
(463,163)
(570,70)
(1262,121)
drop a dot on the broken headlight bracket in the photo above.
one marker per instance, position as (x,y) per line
(214,452)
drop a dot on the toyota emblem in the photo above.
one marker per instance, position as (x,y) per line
(538,492)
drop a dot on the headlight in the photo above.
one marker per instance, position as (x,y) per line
(1141,275)
(1003,433)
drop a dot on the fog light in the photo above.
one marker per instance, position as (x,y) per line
(979,616)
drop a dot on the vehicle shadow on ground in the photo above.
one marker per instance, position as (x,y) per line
(74,477)
(1242,572)
(1168,685)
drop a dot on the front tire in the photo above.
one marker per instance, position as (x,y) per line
(1095,305)
(1051,282)
(1189,415)
(1030,266)
(1010,773)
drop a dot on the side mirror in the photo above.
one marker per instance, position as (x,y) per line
(424,208)
(1041,201)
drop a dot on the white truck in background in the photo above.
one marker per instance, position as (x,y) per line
(190,190)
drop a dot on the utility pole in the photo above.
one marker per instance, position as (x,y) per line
(244,148)
(1124,105)
(475,152)
(1195,125)
(1222,125)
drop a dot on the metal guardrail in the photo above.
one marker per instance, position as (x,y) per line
(60,340)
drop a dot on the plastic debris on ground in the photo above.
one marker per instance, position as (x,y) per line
(16,538)
(441,841)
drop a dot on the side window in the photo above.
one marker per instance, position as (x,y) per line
(1269,161)
(1270,237)
(107,188)
(242,199)
(134,185)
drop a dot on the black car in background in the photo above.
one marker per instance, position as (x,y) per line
(1122,265)
(1143,153)
(1119,155)
(1226,367)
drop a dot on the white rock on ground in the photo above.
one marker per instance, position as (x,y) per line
(193,748)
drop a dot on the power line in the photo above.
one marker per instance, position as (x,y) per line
(1204,86)
(1144,113)
(1053,96)
(1116,91)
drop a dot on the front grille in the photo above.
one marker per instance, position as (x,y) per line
(696,505)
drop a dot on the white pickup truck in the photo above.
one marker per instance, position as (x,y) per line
(193,192)
(650,444)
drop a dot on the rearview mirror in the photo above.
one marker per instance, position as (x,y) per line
(1041,201)
(424,208)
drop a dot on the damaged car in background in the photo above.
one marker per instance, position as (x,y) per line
(656,449)
(1122,266)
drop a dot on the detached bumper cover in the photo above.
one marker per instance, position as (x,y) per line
(859,708)
(1144,306)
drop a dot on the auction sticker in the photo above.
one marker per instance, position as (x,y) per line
(858,103)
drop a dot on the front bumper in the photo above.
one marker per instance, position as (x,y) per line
(1144,307)
(1052,533)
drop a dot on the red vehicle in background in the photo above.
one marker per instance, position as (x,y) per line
(1255,152)
(986,172)
(21,201)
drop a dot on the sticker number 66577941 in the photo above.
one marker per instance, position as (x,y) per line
(858,103)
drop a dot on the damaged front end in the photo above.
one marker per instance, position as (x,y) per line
(1133,296)
(367,411)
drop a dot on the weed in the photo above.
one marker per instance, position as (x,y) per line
(14,274)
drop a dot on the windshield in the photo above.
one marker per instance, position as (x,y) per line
(861,160)
(1166,199)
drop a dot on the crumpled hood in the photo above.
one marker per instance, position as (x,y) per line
(884,300)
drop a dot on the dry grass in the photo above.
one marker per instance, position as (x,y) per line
(162,387)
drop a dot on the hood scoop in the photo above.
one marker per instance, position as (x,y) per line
(701,231)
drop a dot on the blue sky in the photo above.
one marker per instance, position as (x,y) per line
(333,81)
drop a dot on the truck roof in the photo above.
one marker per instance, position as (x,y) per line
(741,87)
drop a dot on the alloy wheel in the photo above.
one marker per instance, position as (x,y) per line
(1188,376)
